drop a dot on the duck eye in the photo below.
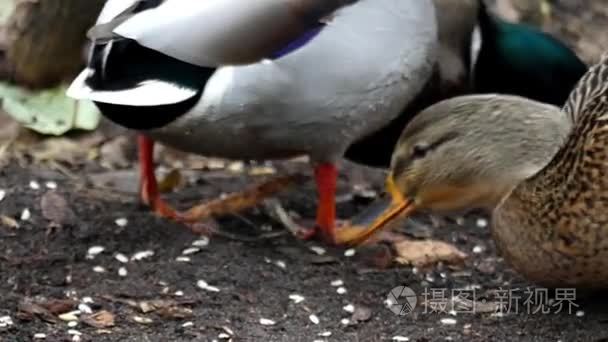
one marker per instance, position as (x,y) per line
(419,150)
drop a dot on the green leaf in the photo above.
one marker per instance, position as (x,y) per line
(48,111)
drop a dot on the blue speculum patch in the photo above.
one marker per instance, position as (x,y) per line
(298,42)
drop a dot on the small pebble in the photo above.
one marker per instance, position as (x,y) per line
(477,249)
(266,321)
(448,321)
(99,269)
(121,222)
(296,298)
(191,250)
(187,325)
(122,272)
(142,255)
(345,321)
(580,313)
(121,258)
(202,242)
(203,285)
(314,319)
(51,185)
(318,250)
(34,185)
(39,336)
(349,252)
(400,338)
(341,290)
(26,214)
(183,259)
(482,222)
(349,308)
(337,282)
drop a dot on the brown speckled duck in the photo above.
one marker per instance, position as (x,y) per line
(543,171)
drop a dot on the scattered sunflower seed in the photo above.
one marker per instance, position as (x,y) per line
(580,313)
(296,298)
(93,251)
(179,293)
(228,330)
(314,319)
(349,308)
(26,214)
(5,321)
(482,222)
(84,308)
(121,222)
(72,324)
(345,321)
(337,282)
(51,185)
(477,249)
(281,264)
(39,336)
(2,194)
(121,258)
(34,185)
(122,272)
(187,324)
(191,250)
(448,321)
(325,334)
(183,259)
(76,338)
(341,290)
(453,312)
(203,285)
(99,269)
(400,338)
(202,242)
(142,320)
(266,321)
(349,252)
(87,300)
(69,316)
(142,255)
(223,336)
(318,250)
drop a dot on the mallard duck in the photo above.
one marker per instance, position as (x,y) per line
(542,171)
(497,57)
(258,80)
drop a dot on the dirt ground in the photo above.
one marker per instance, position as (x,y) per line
(63,203)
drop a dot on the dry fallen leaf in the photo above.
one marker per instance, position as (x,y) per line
(9,222)
(99,320)
(421,253)
(170,182)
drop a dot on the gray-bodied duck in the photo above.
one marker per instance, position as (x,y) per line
(258,80)
(542,170)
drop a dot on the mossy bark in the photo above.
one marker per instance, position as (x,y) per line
(44,40)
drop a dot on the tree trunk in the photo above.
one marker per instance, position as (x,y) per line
(44,40)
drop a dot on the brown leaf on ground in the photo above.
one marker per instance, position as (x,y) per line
(9,222)
(427,252)
(99,320)
(170,182)
(55,208)
(59,306)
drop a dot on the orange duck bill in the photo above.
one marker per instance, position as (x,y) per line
(398,207)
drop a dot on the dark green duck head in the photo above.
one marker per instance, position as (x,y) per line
(521,60)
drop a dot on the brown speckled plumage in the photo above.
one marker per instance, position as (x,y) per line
(553,228)
(543,171)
